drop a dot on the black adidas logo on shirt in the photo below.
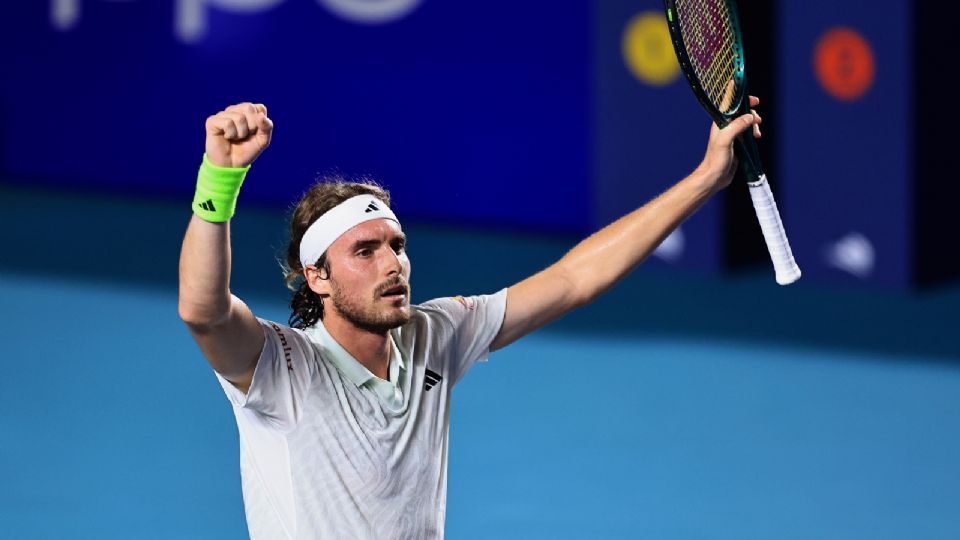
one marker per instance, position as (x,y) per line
(372,207)
(431,379)
(208,206)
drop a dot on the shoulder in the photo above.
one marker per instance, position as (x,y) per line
(451,308)
(447,305)
(462,304)
(286,339)
(281,331)
(453,311)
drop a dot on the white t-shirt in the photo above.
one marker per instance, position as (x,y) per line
(329,451)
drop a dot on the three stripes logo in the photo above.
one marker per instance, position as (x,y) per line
(208,206)
(431,379)
(372,207)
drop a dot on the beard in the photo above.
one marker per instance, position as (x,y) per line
(370,318)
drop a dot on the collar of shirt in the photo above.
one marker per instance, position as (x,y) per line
(352,369)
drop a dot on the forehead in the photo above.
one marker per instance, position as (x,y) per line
(376,229)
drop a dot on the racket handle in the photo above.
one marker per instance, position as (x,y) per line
(771,225)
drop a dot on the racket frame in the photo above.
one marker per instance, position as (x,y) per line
(686,66)
(748,154)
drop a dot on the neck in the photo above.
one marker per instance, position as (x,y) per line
(372,349)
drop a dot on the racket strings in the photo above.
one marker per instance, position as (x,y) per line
(708,33)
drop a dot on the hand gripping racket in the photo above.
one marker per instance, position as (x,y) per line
(706,37)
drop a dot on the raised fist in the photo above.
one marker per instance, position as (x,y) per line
(237,135)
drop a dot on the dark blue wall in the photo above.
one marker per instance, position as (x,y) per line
(847,167)
(468,111)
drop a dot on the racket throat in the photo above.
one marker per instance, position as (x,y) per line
(748,158)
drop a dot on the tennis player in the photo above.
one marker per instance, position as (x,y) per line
(343,413)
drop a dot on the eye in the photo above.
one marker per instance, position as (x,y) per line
(365,252)
(399,245)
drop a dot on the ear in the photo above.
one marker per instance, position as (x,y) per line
(317,280)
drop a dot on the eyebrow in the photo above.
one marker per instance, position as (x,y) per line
(360,244)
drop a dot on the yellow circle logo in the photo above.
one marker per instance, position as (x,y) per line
(647,49)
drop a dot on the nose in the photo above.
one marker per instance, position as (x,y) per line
(392,262)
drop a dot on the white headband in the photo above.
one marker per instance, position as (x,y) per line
(338,220)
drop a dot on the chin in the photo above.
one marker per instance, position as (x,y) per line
(402,316)
(404,312)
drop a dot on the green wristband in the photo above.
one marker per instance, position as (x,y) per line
(217,188)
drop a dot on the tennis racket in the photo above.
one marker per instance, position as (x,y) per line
(706,37)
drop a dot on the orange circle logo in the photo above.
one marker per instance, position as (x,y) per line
(844,65)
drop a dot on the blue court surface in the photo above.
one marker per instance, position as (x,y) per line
(113,427)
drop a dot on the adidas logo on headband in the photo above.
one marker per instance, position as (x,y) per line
(372,207)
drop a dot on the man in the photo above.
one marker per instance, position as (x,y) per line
(343,415)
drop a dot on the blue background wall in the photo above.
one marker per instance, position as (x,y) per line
(848,164)
(471,112)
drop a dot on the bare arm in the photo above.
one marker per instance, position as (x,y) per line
(600,261)
(224,327)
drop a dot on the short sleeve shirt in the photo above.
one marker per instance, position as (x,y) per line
(326,452)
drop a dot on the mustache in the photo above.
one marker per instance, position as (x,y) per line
(390,284)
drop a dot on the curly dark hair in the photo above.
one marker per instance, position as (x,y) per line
(327,192)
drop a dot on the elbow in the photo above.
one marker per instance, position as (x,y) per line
(190,315)
(579,290)
(583,297)
(198,316)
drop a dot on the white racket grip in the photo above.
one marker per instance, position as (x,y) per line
(771,225)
